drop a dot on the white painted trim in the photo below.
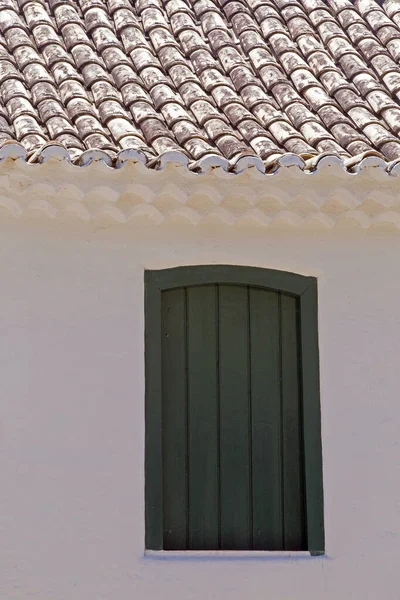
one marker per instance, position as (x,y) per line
(187,554)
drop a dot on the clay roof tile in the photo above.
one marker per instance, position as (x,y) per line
(234,77)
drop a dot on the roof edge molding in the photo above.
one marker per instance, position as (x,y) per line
(322,193)
(307,163)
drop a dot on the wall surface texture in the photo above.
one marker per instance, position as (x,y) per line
(72,411)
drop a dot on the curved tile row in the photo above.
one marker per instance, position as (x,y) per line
(231,83)
(308,164)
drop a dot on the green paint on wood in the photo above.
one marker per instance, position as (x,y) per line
(314,498)
(266,419)
(282,281)
(174,420)
(203,424)
(153,418)
(233,445)
(292,449)
(236,517)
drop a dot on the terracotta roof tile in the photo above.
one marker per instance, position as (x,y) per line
(231,78)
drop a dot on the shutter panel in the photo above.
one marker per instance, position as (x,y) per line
(174,419)
(266,420)
(231,420)
(203,432)
(235,451)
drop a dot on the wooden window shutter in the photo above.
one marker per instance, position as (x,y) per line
(233,449)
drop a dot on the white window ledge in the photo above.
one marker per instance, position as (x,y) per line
(188,554)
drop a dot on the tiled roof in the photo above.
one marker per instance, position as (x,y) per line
(207,82)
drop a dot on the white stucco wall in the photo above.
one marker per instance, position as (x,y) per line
(72,411)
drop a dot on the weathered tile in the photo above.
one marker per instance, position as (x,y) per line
(233,77)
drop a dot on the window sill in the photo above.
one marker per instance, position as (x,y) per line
(229,554)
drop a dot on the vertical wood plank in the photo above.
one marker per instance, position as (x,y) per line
(312,421)
(203,418)
(174,419)
(235,472)
(153,417)
(266,420)
(293,513)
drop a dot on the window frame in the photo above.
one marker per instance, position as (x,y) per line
(304,288)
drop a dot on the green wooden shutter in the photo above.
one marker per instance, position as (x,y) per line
(230,430)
